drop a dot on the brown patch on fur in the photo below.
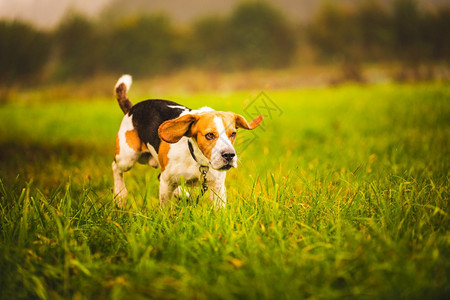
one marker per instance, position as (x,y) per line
(163,155)
(133,140)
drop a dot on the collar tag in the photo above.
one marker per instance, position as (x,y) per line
(204,170)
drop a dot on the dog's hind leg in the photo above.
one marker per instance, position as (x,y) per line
(120,165)
(120,191)
(128,152)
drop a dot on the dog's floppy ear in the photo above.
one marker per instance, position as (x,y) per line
(241,122)
(173,130)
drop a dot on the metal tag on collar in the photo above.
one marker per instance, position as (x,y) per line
(204,170)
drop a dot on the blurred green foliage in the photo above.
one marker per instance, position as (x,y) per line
(254,35)
(24,51)
(373,32)
(142,45)
(260,37)
(80,47)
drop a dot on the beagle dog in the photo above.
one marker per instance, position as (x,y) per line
(196,145)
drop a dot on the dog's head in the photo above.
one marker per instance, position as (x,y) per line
(213,131)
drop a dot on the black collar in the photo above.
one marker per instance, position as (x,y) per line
(191,150)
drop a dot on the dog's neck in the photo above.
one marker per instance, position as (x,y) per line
(197,155)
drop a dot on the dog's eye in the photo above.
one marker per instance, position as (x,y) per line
(210,136)
(233,135)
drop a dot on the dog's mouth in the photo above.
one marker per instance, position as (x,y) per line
(226,167)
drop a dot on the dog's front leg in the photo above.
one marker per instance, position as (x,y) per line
(166,190)
(218,193)
(218,196)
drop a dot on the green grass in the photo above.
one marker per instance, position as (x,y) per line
(345,195)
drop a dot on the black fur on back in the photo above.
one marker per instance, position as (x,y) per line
(148,115)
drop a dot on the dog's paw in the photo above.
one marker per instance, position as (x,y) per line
(121,198)
(178,193)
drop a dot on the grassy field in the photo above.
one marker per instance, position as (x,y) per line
(343,193)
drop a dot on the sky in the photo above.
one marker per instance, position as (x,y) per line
(48,13)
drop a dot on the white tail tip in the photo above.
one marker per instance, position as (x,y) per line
(126,79)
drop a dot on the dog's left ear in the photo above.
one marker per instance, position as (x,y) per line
(241,122)
(173,130)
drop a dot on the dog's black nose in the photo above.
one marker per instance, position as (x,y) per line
(228,156)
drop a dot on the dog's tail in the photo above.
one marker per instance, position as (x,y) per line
(121,89)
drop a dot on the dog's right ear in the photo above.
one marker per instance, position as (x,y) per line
(241,122)
(172,131)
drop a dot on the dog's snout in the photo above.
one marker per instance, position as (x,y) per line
(228,156)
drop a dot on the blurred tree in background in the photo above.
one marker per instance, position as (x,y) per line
(371,32)
(437,32)
(333,33)
(24,51)
(142,45)
(337,37)
(256,35)
(210,43)
(374,36)
(80,47)
(259,37)
(409,30)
